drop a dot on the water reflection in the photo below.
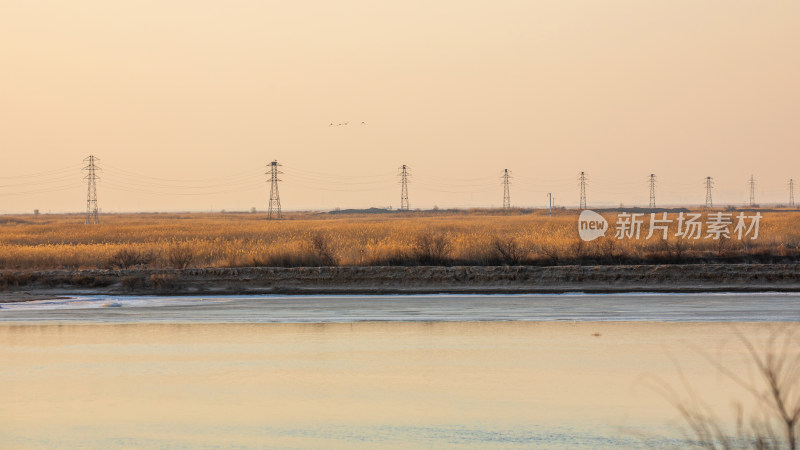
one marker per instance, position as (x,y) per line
(456,384)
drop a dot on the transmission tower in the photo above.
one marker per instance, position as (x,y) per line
(791,193)
(709,184)
(652,190)
(752,191)
(506,193)
(550,199)
(583,191)
(91,193)
(404,187)
(274,211)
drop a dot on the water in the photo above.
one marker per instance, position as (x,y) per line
(424,371)
(725,307)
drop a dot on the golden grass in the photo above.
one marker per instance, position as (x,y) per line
(309,239)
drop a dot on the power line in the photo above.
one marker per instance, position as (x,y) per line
(123,180)
(404,188)
(48,190)
(123,187)
(274,211)
(131,181)
(62,171)
(91,193)
(709,185)
(183,181)
(322,175)
(583,191)
(506,193)
(305,179)
(56,180)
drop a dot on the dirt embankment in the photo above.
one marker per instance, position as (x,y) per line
(391,280)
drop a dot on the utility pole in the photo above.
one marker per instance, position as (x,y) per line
(404,188)
(652,191)
(583,191)
(709,184)
(752,191)
(550,199)
(274,211)
(91,193)
(791,193)
(506,194)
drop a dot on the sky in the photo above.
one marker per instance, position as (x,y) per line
(186,102)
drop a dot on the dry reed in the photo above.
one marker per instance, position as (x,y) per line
(316,239)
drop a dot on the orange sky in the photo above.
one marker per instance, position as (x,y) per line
(185,102)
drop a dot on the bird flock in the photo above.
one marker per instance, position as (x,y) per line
(342,124)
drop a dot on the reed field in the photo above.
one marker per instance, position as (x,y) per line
(320,239)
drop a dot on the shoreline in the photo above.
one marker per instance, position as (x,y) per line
(18,286)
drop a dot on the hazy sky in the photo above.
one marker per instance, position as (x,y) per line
(185,102)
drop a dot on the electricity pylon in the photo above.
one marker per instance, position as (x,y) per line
(404,187)
(274,211)
(791,193)
(506,193)
(583,191)
(91,178)
(752,191)
(709,185)
(652,190)
(550,199)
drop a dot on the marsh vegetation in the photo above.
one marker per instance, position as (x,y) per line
(317,239)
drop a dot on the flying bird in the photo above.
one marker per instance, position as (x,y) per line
(341,124)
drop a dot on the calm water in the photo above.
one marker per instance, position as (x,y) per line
(435,371)
(762,307)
